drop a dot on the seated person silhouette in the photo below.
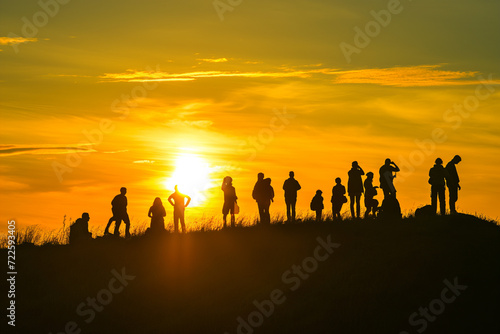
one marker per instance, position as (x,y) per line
(119,209)
(317,204)
(156,213)
(178,201)
(338,198)
(371,203)
(79,230)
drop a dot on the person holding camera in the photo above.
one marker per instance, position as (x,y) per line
(387,175)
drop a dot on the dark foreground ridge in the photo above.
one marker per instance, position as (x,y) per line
(432,275)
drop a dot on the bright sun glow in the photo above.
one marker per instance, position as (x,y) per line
(192,176)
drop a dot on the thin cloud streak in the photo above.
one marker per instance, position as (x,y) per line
(16,40)
(9,150)
(408,76)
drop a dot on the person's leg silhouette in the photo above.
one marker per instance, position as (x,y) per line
(351,203)
(358,205)
(434,195)
(126,220)
(442,201)
(176,222)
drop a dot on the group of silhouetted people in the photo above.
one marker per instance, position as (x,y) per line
(263,194)
(439,178)
(79,231)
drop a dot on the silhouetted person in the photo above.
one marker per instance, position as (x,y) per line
(453,182)
(371,203)
(387,177)
(291,186)
(119,209)
(79,230)
(229,200)
(178,201)
(267,198)
(156,213)
(437,176)
(257,195)
(355,187)
(338,198)
(317,204)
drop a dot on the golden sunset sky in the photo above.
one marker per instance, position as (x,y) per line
(96,95)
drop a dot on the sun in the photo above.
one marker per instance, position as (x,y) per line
(192,176)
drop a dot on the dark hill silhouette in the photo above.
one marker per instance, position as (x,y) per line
(201,282)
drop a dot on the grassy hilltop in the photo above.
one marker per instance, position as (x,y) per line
(361,276)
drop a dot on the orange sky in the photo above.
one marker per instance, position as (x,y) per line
(110,95)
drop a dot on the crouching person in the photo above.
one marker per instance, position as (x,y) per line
(79,230)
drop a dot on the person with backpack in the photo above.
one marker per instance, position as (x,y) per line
(267,198)
(229,200)
(437,176)
(317,204)
(257,195)
(338,198)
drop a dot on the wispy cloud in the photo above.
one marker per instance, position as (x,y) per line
(409,76)
(198,124)
(144,162)
(144,76)
(16,40)
(399,76)
(213,60)
(8,150)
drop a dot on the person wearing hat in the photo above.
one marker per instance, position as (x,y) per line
(453,182)
(437,176)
